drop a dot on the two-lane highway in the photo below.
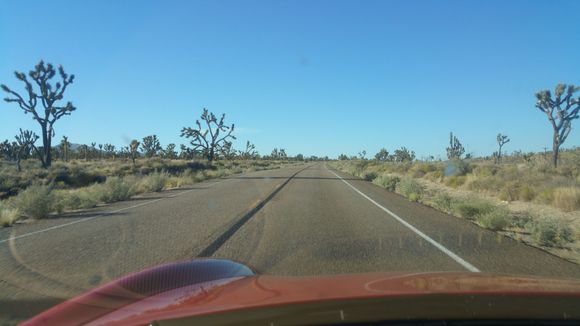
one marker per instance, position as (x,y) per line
(299,220)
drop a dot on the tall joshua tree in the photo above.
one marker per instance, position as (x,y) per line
(501,140)
(39,90)
(134,150)
(65,146)
(210,139)
(455,149)
(561,110)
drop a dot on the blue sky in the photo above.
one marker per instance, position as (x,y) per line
(313,77)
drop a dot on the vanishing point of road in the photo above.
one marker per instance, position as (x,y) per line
(299,220)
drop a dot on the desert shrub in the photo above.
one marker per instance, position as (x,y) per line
(484,171)
(414,197)
(387,182)
(77,199)
(435,175)
(8,215)
(443,201)
(496,219)
(370,176)
(455,181)
(549,232)
(567,198)
(115,189)
(174,182)
(520,220)
(510,192)
(527,193)
(471,208)
(409,187)
(490,183)
(546,196)
(36,201)
(154,182)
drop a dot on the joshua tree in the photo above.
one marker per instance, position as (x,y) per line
(227,150)
(455,149)
(169,152)
(275,154)
(109,150)
(65,146)
(48,96)
(93,150)
(186,152)
(25,141)
(501,140)
(342,157)
(209,139)
(134,150)
(85,150)
(560,110)
(362,154)
(282,154)
(151,146)
(9,150)
(382,155)
(404,155)
(250,151)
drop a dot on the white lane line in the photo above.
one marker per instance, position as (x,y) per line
(101,214)
(437,245)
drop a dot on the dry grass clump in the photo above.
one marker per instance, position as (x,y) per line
(154,182)
(567,198)
(8,215)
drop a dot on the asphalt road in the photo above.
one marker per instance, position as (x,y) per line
(300,220)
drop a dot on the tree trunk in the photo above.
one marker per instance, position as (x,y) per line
(45,155)
(555,150)
(48,151)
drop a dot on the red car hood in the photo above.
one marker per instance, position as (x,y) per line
(203,289)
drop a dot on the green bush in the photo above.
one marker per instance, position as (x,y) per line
(78,199)
(472,208)
(443,201)
(115,189)
(408,186)
(387,182)
(154,182)
(546,196)
(521,220)
(36,201)
(497,219)
(414,197)
(549,232)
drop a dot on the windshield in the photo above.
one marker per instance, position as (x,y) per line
(300,138)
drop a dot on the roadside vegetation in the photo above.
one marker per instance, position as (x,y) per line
(37,181)
(37,193)
(524,196)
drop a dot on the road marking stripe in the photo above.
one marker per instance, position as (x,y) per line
(437,245)
(102,214)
